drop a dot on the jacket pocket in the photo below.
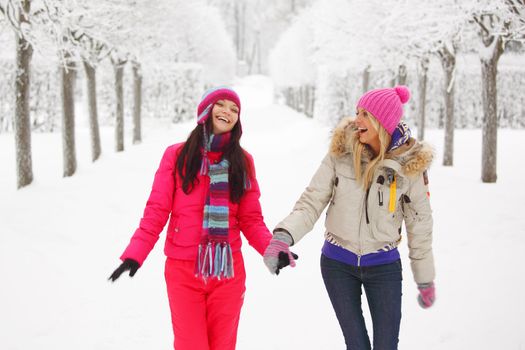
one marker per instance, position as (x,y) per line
(186,233)
(171,225)
(345,183)
(344,211)
(385,224)
(409,213)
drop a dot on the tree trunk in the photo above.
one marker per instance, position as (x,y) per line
(137,103)
(239,15)
(402,75)
(448,62)
(259,53)
(237,20)
(119,98)
(441,117)
(393,81)
(422,97)
(68,118)
(310,101)
(489,70)
(366,79)
(251,58)
(24,52)
(91,80)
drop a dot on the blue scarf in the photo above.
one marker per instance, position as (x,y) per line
(400,136)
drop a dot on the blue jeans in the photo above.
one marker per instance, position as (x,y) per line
(382,284)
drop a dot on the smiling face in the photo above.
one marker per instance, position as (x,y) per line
(367,133)
(225,115)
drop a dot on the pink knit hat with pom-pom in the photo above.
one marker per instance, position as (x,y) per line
(211,96)
(386,105)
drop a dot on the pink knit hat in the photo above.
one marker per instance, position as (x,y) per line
(213,95)
(386,105)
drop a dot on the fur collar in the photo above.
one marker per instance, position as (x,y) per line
(415,157)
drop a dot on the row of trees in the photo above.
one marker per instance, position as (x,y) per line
(151,36)
(254,25)
(392,37)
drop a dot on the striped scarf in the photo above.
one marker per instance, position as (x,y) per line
(214,259)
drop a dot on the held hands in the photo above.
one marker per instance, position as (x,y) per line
(427,294)
(277,254)
(128,264)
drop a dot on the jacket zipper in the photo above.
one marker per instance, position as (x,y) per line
(366,206)
(360,222)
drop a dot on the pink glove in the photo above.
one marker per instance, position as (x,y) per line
(427,294)
(278,255)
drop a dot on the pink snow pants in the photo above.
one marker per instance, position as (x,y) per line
(205,316)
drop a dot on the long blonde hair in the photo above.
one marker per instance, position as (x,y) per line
(365,176)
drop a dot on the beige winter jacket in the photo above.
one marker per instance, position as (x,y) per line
(370,221)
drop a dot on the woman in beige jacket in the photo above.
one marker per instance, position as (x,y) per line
(373,178)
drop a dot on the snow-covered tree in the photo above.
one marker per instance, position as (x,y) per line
(96,52)
(184,45)
(328,43)
(254,26)
(291,65)
(176,34)
(498,22)
(18,14)
(72,25)
(98,31)
(93,47)
(385,41)
(418,29)
(346,47)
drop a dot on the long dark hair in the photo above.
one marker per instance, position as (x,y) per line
(190,158)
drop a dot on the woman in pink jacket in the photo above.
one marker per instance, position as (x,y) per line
(207,188)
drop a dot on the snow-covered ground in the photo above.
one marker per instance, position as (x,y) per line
(60,239)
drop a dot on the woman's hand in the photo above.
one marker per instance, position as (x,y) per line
(427,294)
(277,255)
(128,264)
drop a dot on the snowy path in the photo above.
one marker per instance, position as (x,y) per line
(61,238)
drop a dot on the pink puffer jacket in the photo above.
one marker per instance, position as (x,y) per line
(185,211)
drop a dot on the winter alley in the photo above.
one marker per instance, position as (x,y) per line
(60,238)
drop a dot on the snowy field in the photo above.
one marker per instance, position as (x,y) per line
(60,239)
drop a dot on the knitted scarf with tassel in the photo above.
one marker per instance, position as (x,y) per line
(214,258)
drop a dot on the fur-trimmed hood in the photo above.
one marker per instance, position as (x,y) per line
(415,157)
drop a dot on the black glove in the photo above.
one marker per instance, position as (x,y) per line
(128,264)
(284,260)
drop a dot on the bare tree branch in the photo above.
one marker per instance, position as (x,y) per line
(479,21)
(513,6)
(12,16)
